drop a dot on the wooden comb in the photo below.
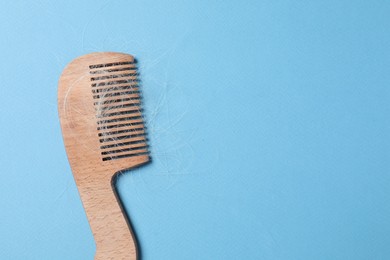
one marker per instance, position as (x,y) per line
(103,131)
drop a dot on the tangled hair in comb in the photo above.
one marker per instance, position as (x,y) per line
(117,101)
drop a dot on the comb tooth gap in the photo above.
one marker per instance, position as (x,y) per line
(115,94)
(113,71)
(116,111)
(114,82)
(127,68)
(114,142)
(124,150)
(122,137)
(135,131)
(122,82)
(115,123)
(126,105)
(116,100)
(96,66)
(120,131)
(138,140)
(120,119)
(136,124)
(115,88)
(124,156)
(120,113)
(134,144)
(114,76)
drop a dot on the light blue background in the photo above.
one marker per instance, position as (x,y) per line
(268,124)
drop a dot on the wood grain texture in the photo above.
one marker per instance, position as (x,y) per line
(97,145)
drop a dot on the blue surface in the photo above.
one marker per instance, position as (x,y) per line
(269,127)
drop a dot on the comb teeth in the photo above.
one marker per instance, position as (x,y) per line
(121,132)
